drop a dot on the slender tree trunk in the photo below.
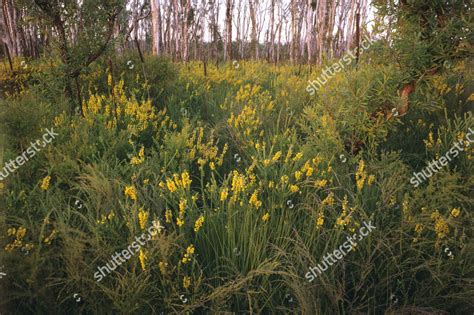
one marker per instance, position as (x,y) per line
(156,37)
(228,23)
(272,30)
(309,30)
(253,19)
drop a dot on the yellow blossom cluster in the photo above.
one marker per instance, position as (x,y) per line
(142,218)
(140,159)
(198,224)
(142,258)
(19,235)
(440,225)
(176,182)
(45,183)
(361,176)
(104,218)
(130,192)
(187,256)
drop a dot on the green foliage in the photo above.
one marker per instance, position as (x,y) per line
(266,175)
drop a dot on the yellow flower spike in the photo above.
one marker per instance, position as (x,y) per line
(266,217)
(198,224)
(162,265)
(168,216)
(277,156)
(186,282)
(320,183)
(171,185)
(190,250)
(142,218)
(298,175)
(294,188)
(185,180)
(370,179)
(20,233)
(45,183)
(254,200)
(224,194)
(179,222)
(455,212)
(320,220)
(418,228)
(298,156)
(329,200)
(142,257)
(130,192)
(441,228)
(182,205)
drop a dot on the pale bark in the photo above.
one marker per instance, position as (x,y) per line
(156,34)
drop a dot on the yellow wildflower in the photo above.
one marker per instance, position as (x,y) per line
(168,216)
(455,212)
(441,228)
(198,224)
(162,265)
(298,156)
(320,220)
(320,183)
(142,218)
(266,217)
(294,188)
(360,175)
(185,180)
(429,142)
(254,200)
(298,175)
(224,194)
(182,205)
(329,200)
(418,228)
(187,256)
(276,156)
(179,222)
(45,183)
(130,192)
(140,159)
(142,258)
(309,171)
(190,250)
(171,185)
(186,282)
(370,180)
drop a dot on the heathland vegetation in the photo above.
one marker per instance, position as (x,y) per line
(245,178)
